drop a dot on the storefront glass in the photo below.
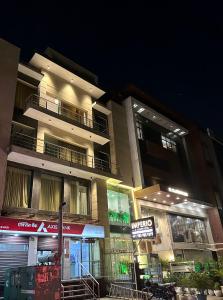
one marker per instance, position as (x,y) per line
(119,257)
(187,229)
(118,205)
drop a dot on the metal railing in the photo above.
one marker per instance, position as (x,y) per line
(93,266)
(90,283)
(80,118)
(117,291)
(60,152)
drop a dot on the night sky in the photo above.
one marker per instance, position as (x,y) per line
(171,49)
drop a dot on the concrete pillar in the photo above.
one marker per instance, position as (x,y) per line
(36,190)
(9,59)
(66,259)
(67,194)
(32,253)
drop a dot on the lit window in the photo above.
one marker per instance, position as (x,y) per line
(168,143)
(139,130)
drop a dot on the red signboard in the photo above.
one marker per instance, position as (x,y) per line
(49,228)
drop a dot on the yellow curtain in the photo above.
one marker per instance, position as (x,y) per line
(17,190)
(50,193)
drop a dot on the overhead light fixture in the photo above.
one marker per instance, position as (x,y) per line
(158,193)
(164,201)
(172,203)
(145,197)
(168,195)
(202,206)
(176,130)
(182,132)
(140,110)
(154,199)
(48,67)
(176,191)
(16,234)
(135,105)
(154,117)
(178,198)
(54,236)
(185,200)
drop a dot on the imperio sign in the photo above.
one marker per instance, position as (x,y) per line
(37,227)
(143,229)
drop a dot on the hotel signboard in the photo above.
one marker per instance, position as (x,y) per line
(143,229)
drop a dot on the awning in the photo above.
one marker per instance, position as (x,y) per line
(171,196)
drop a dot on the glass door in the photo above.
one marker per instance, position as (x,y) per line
(75,258)
(79,253)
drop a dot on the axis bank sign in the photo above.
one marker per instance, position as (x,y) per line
(36,227)
(143,229)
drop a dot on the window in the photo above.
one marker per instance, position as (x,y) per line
(78,199)
(18,187)
(118,206)
(23,91)
(139,130)
(168,143)
(187,229)
(50,193)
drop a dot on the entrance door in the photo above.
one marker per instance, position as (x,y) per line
(79,253)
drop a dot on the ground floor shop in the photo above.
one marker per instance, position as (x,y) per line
(181,235)
(32,242)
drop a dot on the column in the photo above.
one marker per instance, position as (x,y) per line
(32,253)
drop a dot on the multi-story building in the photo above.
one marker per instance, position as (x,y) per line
(111,159)
(169,177)
(55,146)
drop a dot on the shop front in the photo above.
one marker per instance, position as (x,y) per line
(182,227)
(30,242)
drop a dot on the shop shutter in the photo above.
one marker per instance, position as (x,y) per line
(13,253)
(47,244)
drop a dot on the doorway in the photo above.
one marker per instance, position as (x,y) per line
(79,253)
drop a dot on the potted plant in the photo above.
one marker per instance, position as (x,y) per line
(217,289)
(201,281)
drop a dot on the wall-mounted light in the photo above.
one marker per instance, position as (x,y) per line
(176,130)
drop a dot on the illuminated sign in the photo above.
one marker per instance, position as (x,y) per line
(143,229)
(36,227)
(179,192)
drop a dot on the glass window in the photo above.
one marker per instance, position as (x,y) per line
(187,229)
(139,130)
(118,205)
(168,143)
(18,187)
(78,199)
(50,193)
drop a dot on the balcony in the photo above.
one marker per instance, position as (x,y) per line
(35,152)
(55,114)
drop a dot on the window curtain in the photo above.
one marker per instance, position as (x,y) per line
(50,193)
(78,199)
(18,183)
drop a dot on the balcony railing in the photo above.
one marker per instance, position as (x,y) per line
(63,153)
(68,114)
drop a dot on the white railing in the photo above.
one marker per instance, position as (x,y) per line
(90,283)
(117,291)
